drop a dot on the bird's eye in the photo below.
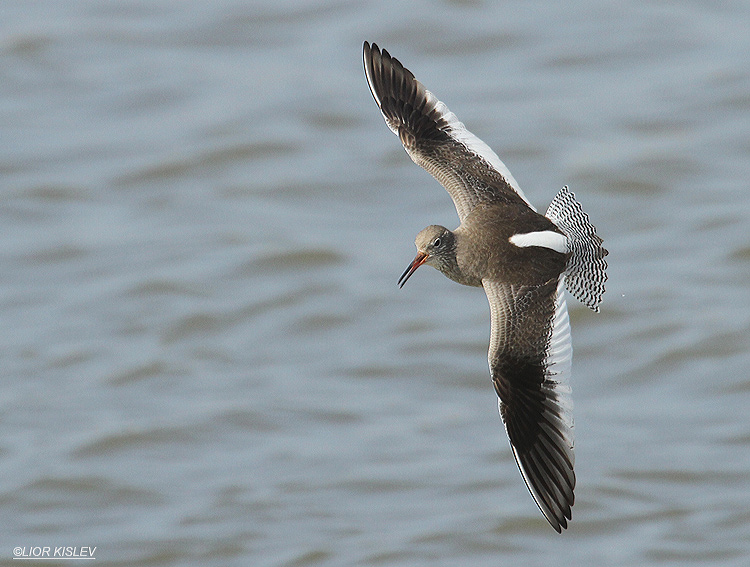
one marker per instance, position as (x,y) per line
(436,244)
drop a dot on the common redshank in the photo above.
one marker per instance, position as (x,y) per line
(522,259)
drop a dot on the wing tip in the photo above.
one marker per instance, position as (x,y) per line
(556,510)
(368,55)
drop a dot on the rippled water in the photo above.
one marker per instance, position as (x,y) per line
(207,360)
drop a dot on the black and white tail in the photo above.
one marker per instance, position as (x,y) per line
(586,270)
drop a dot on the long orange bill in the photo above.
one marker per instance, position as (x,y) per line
(420,259)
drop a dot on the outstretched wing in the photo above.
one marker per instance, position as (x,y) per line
(530,358)
(434,137)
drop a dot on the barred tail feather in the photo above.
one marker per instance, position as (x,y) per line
(586,271)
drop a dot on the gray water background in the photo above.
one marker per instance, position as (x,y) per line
(205,357)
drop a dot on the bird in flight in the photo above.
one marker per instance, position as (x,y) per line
(522,259)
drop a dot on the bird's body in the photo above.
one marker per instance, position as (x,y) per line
(484,246)
(521,258)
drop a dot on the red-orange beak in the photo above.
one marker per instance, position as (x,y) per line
(420,259)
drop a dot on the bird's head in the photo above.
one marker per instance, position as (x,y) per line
(436,246)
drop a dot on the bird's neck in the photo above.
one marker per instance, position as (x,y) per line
(450,268)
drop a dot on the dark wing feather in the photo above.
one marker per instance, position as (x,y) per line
(435,139)
(530,359)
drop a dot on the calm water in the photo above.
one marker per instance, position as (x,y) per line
(206,359)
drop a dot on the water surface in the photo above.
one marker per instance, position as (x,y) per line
(207,360)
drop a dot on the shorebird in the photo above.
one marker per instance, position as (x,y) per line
(522,259)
